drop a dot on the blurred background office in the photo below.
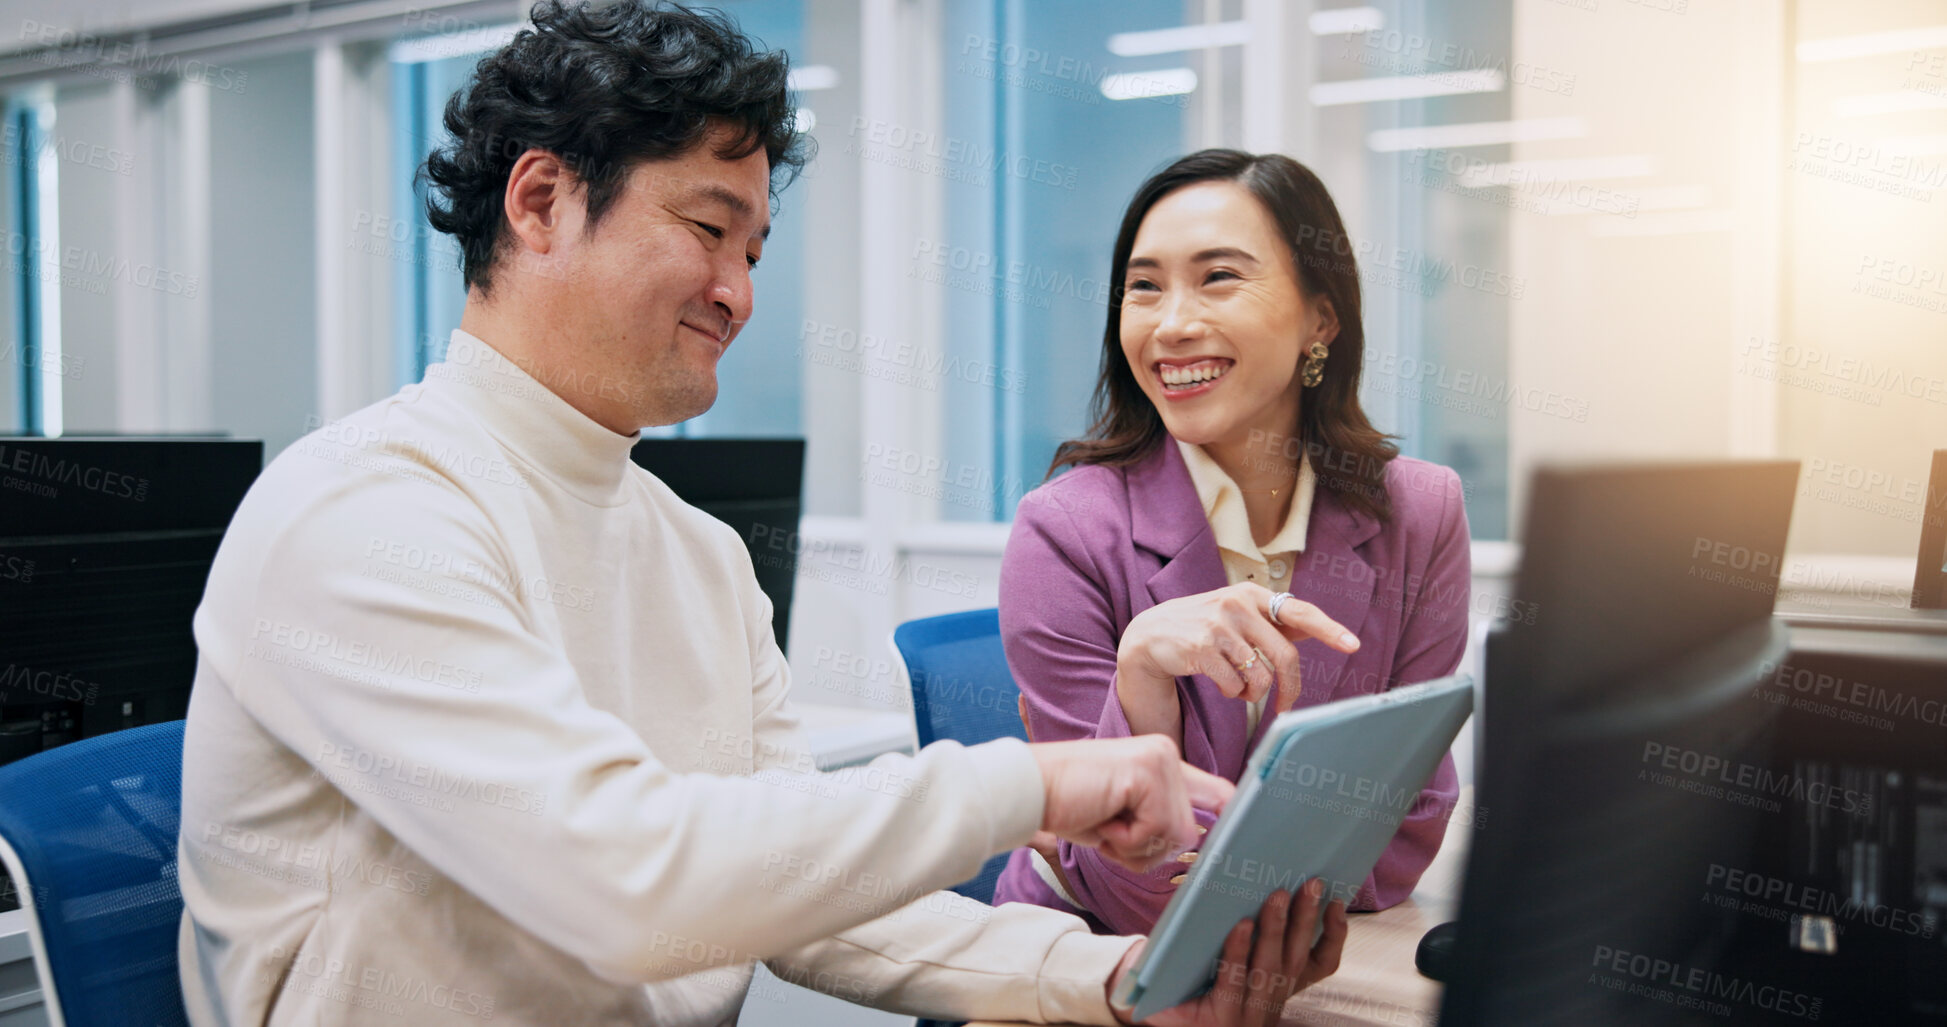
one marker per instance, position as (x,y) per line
(1587,228)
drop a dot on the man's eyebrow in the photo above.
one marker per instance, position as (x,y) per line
(1200,257)
(736,203)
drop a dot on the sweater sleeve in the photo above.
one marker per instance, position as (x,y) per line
(1432,641)
(942,954)
(946,955)
(649,874)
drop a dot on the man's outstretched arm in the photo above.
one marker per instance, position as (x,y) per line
(590,842)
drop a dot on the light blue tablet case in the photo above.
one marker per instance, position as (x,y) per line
(1323,794)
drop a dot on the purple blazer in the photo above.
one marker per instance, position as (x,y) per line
(1095,547)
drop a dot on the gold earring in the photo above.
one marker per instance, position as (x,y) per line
(1315,367)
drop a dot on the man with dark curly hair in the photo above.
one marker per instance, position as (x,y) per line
(487,724)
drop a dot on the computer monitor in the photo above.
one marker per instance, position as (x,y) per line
(1610,720)
(105,547)
(1850,906)
(1926,612)
(753,485)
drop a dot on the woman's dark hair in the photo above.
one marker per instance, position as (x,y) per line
(1348,454)
(603,89)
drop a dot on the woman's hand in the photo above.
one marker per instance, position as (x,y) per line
(1228,636)
(1260,969)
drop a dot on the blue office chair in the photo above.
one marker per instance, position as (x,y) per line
(88,832)
(962,691)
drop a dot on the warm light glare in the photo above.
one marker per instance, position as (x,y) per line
(1871,44)
(1687,222)
(1179,39)
(1476,133)
(1669,197)
(1143,85)
(1572,169)
(1898,101)
(1408,87)
(1344,21)
(1913,146)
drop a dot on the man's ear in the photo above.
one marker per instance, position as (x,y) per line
(541,203)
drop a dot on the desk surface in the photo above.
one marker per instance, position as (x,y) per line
(1376,982)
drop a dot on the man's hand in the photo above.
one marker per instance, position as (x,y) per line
(1128,797)
(1256,975)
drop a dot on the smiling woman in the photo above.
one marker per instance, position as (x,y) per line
(1293,277)
(1231,501)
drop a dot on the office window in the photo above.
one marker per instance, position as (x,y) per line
(263,253)
(427,288)
(1046,135)
(22,148)
(159,246)
(81,250)
(1052,115)
(1431,239)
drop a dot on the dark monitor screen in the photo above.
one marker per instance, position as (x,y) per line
(753,485)
(1608,719)
(91,486)
(105,546)
(1628,566)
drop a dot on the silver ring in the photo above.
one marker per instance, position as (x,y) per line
(1278,601)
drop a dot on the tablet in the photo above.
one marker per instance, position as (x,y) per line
(1322,795)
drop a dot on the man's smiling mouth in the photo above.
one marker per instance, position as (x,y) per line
(722,336)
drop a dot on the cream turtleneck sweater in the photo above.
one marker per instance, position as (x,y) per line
(489,725)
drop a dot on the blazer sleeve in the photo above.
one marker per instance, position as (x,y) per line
(1060,629)
(1433,638)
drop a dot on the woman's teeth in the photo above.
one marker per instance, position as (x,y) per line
(1194,374)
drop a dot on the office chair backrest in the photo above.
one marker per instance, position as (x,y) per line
(962,692)
(88,831)
(962,689)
